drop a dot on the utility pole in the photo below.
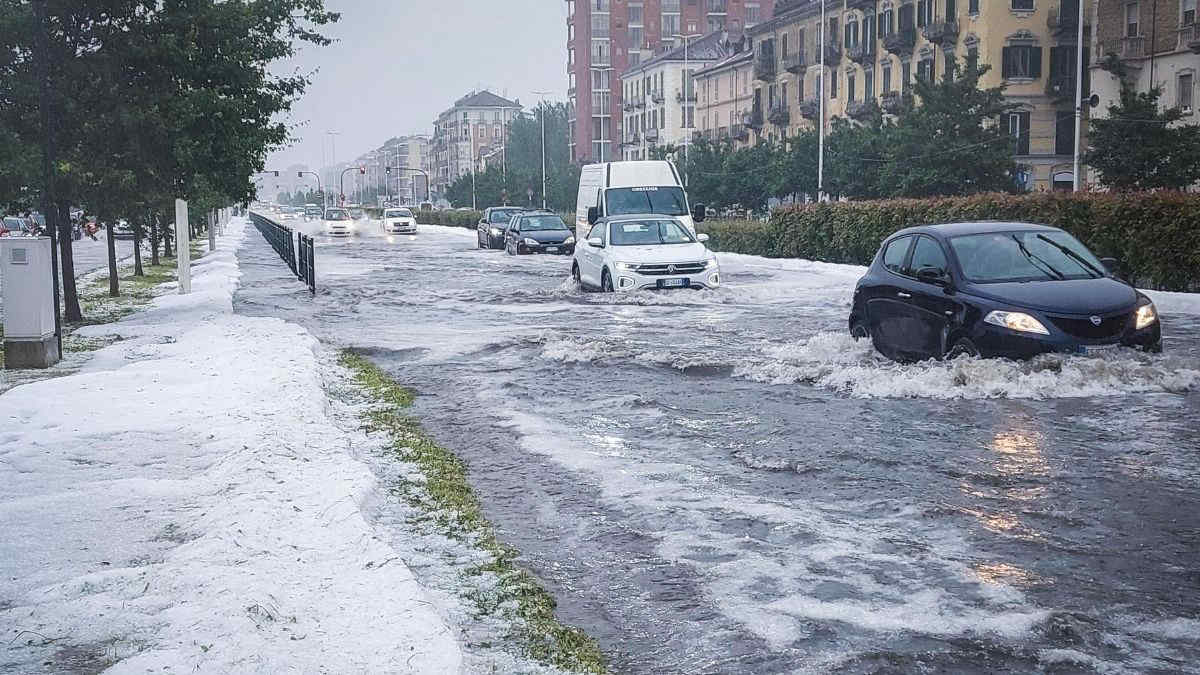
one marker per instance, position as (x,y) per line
(821,116)
(686,99)
(542,114)
(49,157)
(1078,100)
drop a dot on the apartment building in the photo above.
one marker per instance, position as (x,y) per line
(874,50)
(725,96)
(659,95)
(475,126)
(1158,42)
(607,37)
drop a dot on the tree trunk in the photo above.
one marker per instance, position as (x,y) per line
(154,230)
(137,249)
(114,286)
(71,311)
(168,233)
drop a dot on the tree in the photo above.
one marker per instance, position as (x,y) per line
(1137,147)
(857,154)
(951,141)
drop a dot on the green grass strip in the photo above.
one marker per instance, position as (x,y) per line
(451,504)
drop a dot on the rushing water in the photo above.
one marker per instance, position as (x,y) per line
(724,482)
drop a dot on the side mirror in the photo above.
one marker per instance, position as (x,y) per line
(932,275)
(699,213)
(593,215)
(702,238)
(1112,265)
(596,242)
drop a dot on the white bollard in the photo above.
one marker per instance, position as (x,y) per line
(182,252)
(212,230)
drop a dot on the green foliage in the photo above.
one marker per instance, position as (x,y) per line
(467,219)
(1136,147)
(1156,235)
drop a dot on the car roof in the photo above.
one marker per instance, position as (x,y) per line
(639,216)
(975,227)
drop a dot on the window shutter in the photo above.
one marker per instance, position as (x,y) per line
(1036,62)
(1006,60)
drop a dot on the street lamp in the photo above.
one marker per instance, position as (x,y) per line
(542,114)
(684,80)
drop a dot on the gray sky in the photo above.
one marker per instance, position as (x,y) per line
(396,64)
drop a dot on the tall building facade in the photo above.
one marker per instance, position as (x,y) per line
(475,126)
(1158,43)
(607,37)
(874,50)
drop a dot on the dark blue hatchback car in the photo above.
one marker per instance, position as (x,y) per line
(996,289)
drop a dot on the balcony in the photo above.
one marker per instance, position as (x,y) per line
(633,139)
(862,110)
(657,97)
(739,132)
(901,43)
(943,33)
(685,96)
(1064,19)
(862,53)
(833,54)
(754,119)
(810,109)
(716,7)
(780,116)
(651,135)
(639,102)
(1133,47)
(794,62)
(1189,38)
(764,68)
(892,102)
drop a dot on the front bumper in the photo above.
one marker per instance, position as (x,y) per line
(401,228)
(559,249)
(332,232)
(626,280)
(994,341)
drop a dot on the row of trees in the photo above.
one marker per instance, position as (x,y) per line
(300,198)
(947,140)
(521,172)
(122,106)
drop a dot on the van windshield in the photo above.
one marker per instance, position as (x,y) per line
(667,201)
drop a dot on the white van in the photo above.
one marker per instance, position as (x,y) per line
(620,188)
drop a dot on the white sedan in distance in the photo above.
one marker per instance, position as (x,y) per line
(399,221)
(636,252)
(338,222)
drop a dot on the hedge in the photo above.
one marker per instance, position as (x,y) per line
(1156,236)
(467,219)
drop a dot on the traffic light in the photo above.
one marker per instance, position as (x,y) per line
(389,170)
(362,170)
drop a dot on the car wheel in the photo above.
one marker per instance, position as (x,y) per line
(575,274)
(962,347)
(859,331)
(606,283)
(478,240)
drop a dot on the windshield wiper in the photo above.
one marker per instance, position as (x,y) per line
(1072,254)
(1035,259)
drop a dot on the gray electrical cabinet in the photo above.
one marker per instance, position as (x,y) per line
(26,275)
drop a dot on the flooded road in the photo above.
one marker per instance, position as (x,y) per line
(724,482)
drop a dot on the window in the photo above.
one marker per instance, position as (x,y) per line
(887,81)
(670,24)
(895,252)
(851,39)
(1022,62)
(905,76)
(1184,90)
(927,253)
(886,25)
(636,38)
(1018,127)
(925,70)
(635,15)
(599,25)
(973,7)
(753,15)
(868,85)
(973,57)
(1023,4)
(715,24)
(951,10)
(1064,132)
(783,101)
(850,87)
(833,84)
(1132,13)
(924,13)
(1187,13)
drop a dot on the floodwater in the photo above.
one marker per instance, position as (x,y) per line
(724,482)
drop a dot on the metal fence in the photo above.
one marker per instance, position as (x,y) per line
(295,248)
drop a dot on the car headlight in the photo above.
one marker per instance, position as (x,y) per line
(1146,315)
(626,267)
(568,241)
(710,263)
(1018,321)
(531,242)
(495,232)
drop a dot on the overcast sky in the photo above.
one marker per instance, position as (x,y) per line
(397,64)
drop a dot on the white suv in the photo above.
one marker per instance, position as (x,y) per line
(399,221)
(628,253)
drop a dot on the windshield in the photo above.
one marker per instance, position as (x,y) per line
(397,213)
(650,233)
(532,223)
(13,223)
(1024,256)
(668,201)
(356,213)
(502,216)
(336,214)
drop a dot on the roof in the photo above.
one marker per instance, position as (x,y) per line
(711,47)
(734,60)
(485,99)
(976,227)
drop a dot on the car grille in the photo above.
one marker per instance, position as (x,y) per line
(1110,326)
(551,243)
(668,270)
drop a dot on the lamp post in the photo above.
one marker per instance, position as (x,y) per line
(542,114)
(684,81)
(821,106)
(420,171)
(342,182)
(1078,101)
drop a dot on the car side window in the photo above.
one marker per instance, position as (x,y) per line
(599,230)
(927,253)
(894,254)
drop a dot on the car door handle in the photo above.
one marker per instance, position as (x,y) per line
(902,294)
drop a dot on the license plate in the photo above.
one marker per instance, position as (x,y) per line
(1099,350)
(673,283)
(551,249)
